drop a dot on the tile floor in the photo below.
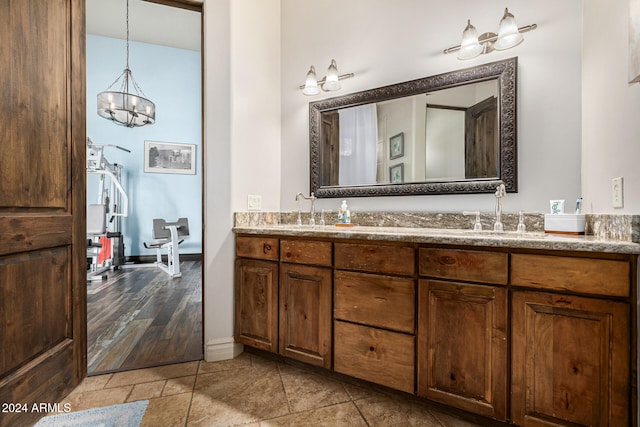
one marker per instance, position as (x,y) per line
(251,390)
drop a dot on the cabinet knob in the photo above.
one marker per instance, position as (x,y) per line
(266,248)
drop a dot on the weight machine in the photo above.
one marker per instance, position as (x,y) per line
(166,236)
(105,248)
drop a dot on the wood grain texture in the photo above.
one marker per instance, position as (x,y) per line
(471,265)
(33,232)
(257,247)
(36,137)
(256,301)
(375,300)
(462,346)
(372,354)
(306,252)
(305,313)
(140,318)
(573,274)
(570,361)
(35,313)
(375,258)
(42,202)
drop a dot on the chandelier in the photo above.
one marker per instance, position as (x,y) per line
(122,106)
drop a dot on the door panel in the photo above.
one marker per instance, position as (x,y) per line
(305,313)
(570,361)
(256,298)
(42,203)
(36,313)
(462,346)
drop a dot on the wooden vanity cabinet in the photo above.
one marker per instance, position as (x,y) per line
(527,337)
(374,313)
(256,292)
(570,354)
(462,330)
(305,301)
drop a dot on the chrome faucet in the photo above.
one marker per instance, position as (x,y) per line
(477,225)
(312,211)
(500,194)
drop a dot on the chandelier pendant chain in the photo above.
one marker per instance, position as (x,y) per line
(127,34)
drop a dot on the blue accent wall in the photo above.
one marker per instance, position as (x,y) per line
(171,78)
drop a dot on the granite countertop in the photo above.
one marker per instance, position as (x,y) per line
(605,233)
(507,239)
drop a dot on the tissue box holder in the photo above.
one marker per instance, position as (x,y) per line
(564,223)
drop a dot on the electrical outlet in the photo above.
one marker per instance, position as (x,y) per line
(254,202)
(617,192)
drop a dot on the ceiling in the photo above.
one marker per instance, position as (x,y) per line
(148,23)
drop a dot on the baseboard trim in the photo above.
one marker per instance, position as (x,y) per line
(222,349)
(144,259)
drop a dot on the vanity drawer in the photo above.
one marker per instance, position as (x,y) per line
(306,252)
(383,301)
(573,274)
(375,258)
(257,247)
(375,355)
(475,266)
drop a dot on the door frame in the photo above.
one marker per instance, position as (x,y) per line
(196,6)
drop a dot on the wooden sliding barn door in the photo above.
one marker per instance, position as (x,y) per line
(42,205)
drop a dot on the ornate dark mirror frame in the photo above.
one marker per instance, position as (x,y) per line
(504,71)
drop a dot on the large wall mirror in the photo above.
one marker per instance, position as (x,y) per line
(452,133)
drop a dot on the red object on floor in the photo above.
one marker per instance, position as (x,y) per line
(105,251)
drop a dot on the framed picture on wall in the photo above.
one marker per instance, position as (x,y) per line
(396,146)
(169,157)
(396,173)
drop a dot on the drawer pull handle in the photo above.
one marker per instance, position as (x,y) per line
(266,248)
(372,348)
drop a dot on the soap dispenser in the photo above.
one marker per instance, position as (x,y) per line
(344,216)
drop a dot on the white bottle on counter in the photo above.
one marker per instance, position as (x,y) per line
(344,216)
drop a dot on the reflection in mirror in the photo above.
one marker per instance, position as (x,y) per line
(451,133)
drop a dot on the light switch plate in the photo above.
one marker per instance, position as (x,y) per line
(254,202)
(617,192)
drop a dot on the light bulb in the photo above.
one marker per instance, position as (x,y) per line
(470,47)
(508,33)
(311,83)
(332,82)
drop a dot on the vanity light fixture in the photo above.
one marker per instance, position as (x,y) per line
(509,35)
(329,83)
(123,107)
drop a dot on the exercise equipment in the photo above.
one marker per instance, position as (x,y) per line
(105,248)
(166,235)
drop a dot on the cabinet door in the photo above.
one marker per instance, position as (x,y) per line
(256,302)
(305,313)
(570,361)
(462,346)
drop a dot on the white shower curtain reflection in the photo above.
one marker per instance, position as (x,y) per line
(358,144)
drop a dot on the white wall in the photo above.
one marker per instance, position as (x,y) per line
(386,42)
(219,241)
(610,108)
(255,102)
(242,134)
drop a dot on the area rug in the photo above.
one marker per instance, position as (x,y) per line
(123,415)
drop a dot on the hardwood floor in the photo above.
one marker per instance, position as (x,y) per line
(140,317)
